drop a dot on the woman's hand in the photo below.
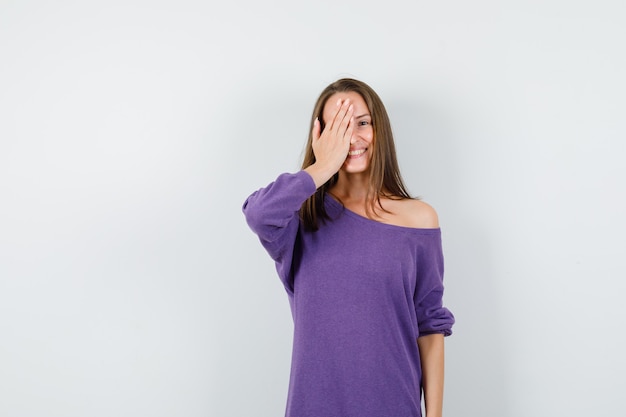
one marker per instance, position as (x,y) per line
(331,146)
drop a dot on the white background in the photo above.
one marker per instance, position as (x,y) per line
(132,131)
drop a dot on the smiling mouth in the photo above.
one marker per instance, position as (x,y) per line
(356,153)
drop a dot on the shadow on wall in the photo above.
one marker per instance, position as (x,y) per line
(430,150)
(264,136)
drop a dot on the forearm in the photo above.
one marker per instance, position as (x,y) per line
(431,349)
(272,211)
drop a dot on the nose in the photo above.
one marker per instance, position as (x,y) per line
(354,135)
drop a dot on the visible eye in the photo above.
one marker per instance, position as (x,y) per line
(364,123)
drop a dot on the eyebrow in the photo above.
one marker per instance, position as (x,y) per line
(363,115)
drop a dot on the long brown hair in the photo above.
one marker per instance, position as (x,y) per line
(385,179)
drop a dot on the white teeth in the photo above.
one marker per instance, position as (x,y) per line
(357,152)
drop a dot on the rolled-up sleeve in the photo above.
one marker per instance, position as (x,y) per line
(432,316)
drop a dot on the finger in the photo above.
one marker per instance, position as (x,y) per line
(340,114)
(345,122)
(316,129)
(350,130)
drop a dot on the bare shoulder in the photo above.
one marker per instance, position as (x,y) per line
(421,214)
(413,213)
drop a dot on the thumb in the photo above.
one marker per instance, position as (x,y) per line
(316,129)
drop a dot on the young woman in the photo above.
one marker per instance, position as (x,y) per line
(362,265)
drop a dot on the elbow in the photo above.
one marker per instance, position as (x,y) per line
(253,219)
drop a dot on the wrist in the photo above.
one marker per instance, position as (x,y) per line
(320,174)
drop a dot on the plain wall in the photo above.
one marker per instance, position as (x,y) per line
(132,131)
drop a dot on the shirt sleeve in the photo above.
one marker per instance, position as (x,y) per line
(432,316)
(272,213)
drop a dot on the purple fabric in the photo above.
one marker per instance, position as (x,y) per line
(361,293)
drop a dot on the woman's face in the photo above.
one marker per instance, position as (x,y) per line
(360,155)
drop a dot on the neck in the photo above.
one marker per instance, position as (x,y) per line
(352,187)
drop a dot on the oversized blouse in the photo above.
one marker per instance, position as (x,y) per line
(361,292)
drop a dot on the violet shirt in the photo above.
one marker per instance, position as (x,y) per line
(361,292)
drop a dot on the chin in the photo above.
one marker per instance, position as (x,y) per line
(353,169)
